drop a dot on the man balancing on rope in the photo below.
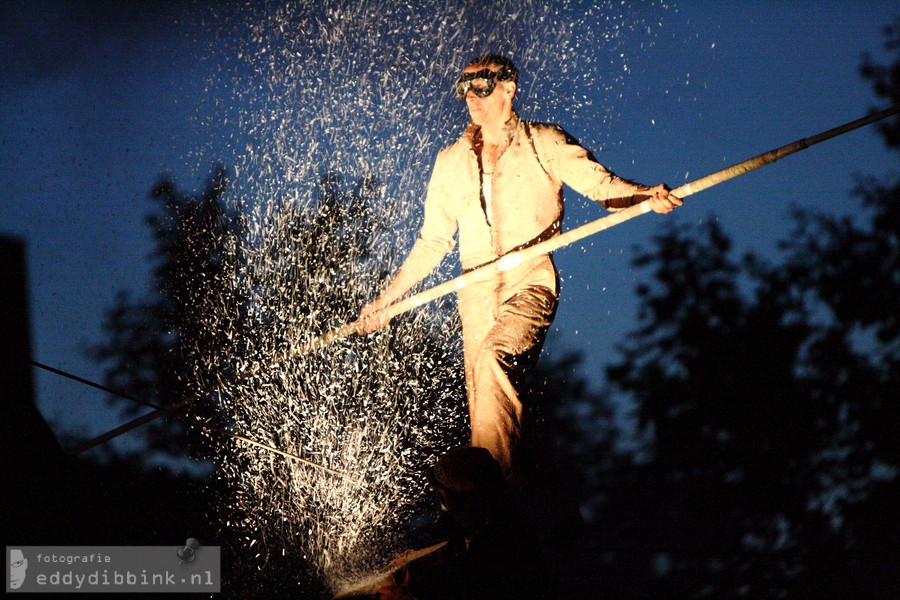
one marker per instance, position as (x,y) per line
(500,188)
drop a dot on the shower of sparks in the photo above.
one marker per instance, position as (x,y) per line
(337,110)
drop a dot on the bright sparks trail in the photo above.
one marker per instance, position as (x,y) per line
(339,112)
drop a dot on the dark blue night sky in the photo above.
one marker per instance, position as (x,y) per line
(97,100)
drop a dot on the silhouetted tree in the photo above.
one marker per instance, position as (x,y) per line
(159,348)
(851,268)
(735,434)
(769,395)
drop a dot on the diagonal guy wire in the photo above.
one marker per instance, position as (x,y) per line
(173,410)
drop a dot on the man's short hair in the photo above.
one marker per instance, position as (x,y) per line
(506,66)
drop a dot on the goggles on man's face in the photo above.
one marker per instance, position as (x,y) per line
(481,82)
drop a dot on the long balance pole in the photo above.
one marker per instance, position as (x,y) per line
(513,259)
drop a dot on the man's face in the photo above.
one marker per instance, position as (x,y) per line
(494,109)
(17,566)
